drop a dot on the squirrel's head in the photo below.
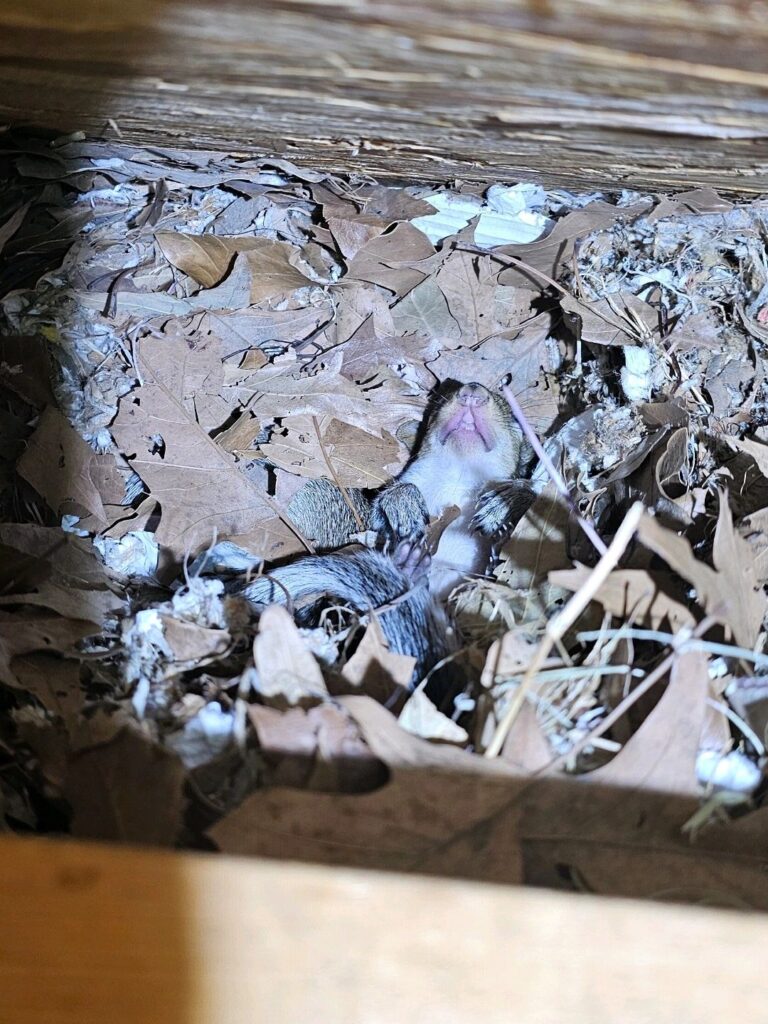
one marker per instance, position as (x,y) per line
(472,422)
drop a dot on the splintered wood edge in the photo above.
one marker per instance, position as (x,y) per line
(94,933)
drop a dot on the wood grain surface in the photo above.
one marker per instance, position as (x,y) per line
(583,93)
(94,934)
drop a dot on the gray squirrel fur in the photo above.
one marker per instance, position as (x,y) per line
(470,453)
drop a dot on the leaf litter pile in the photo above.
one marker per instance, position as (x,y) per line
(188,338)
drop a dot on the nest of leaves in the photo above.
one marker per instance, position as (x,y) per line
(187,338)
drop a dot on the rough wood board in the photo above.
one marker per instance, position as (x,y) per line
(653,95)
(92,934)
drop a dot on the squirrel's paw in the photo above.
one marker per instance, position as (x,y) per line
(498,510)
(412,558)
(399,513)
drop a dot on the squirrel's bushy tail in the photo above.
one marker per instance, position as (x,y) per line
(369,582)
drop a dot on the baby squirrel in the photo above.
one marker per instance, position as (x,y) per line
(470,453)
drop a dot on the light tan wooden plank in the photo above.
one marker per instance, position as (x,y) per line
(98,935)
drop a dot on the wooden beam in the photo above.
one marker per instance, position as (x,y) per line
(660,95)
(93,934)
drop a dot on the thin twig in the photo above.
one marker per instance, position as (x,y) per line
(559,624)
(552,470)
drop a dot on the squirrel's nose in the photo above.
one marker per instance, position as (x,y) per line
(473,394)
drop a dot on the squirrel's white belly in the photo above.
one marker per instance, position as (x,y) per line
(461,553)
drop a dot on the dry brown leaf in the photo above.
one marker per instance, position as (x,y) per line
(630,593)
(47,550)
(351,234)
(55,682)
(613,321)
(358,304)
(662,753)
(376,671)
(386,260)
(424,311)
(275,390)
(239,438)
(510,656)
(525,749)
(208,258)
(448,812)
(240,330)
(422,718)
(729,592)
(68,473)
(358,457)
(759,452)
(193,643)
(536,548)
(200,490)
(288,673)
(469,285)
(26,632)
(129,789)
(734,562)
(443,811)
(555,252)
(317,749)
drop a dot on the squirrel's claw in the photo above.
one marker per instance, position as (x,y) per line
(399,513)
(498,510)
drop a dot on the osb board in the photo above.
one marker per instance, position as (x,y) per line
(648,96)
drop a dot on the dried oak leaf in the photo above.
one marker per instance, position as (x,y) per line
(128,788)
(421,718)
(26,632)
(274,390)
(730,591)
(357,456)
(198,486)
(352,233)
(367,353)
(242,330)
(630,593)
(387,259)
(378,672)
(358,304)
(448,812)
(477,303)
(287,672)
(318,749)
(425,311)
(661,755)
(55,682)
(553,253)
(442,811)
(536,548)
(68,473)
(615,320)
(207,258)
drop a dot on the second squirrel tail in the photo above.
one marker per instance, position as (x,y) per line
(369,582)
